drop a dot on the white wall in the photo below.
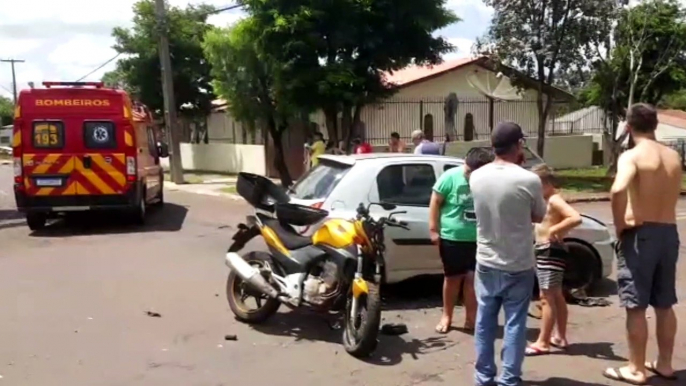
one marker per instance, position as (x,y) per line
(561,152)
(5,137)
(222,158)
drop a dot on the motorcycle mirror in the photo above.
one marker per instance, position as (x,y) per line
(387,206)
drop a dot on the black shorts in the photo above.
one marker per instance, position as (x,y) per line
(646,266)
(459,257)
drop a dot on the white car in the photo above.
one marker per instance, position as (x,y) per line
(340,183)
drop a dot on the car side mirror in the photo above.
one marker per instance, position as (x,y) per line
(162,150)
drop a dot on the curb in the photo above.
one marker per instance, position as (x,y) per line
(5,162)
(599,198)
(180,188)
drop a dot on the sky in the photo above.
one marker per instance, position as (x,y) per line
(65,40)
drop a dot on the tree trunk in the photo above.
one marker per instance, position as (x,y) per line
(279,157)
(331,116)
(347,123)
(543,108)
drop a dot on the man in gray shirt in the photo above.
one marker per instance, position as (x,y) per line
(507,201)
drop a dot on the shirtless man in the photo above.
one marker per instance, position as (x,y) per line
(644,198)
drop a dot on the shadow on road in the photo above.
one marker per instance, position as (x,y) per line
(11,218)
(556,381)
(418,293)
(597,350)
(310,326)
(170,218)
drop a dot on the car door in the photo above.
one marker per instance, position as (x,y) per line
(154,177)
(409,186)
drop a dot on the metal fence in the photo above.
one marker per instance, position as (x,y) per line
(404,116)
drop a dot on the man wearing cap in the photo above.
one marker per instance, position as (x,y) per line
(423,145)
(507,201)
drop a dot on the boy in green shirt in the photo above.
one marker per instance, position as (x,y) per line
(452,225)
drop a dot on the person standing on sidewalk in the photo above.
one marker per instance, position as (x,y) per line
(507,201)
(453,228)
(644,199)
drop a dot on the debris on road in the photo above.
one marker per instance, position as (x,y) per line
(394,329)
(230,337)
(153,314)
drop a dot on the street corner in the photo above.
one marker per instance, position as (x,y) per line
(227,191)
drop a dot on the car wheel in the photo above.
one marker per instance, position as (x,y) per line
(36,221)
(139,212)
(583,267)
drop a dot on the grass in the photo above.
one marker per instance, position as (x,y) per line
(589,180)
(231,189)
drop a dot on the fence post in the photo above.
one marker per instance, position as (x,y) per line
(421,115)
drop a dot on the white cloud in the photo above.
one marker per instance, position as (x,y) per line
(463,48)
(64,40)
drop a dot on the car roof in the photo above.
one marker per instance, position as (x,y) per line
(355,158)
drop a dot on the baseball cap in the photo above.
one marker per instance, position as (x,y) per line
(506,134)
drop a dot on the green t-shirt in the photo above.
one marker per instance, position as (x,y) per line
(457,212)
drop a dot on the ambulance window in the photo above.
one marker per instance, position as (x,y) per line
(48,134)
(152,145)
(99,135)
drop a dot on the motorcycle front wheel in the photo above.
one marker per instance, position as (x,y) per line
(360,332)
(239,293)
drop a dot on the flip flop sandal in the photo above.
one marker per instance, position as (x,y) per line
(651,366)
(533,351)
(442,329)
(555,342)
(615,374)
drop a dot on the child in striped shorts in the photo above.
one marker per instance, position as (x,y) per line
(551,256)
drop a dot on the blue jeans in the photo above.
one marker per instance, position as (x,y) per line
(511,291)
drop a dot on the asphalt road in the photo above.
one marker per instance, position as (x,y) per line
(74,302)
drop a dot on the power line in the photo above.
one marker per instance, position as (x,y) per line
(14,77)
(215,11)
(223,9)
(99,67)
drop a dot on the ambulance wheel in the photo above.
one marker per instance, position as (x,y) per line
(36,221)
(160,198)
(140,210)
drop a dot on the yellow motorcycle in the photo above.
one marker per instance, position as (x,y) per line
(339,268)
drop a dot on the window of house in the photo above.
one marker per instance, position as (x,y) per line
(409,184)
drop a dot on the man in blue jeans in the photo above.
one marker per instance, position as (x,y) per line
(507,201)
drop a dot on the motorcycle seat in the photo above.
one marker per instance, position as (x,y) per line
(288,236)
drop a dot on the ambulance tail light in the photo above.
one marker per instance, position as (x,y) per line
(17,153)
(18,171)
(130,168)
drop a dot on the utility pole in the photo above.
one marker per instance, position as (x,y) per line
(168,93)
(14,76)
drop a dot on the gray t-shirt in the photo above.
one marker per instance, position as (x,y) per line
(506,198)
(427,147)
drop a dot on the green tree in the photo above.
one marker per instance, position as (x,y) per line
(6,111)
(139,70)
(336,52)
(251,82)
(643,62)
(540,37)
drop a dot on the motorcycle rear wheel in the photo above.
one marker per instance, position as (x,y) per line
(360,336)
(238,291)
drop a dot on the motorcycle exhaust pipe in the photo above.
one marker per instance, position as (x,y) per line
(250,274)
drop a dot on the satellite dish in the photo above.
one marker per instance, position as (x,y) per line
(492,85)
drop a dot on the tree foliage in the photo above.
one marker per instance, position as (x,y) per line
(639,58)
(139,70)
(251,82)
(6,111)
(541,38)
(335,53)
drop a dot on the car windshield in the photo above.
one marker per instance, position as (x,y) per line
(320,181)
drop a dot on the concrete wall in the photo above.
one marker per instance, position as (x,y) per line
(563,152)
(222,158)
